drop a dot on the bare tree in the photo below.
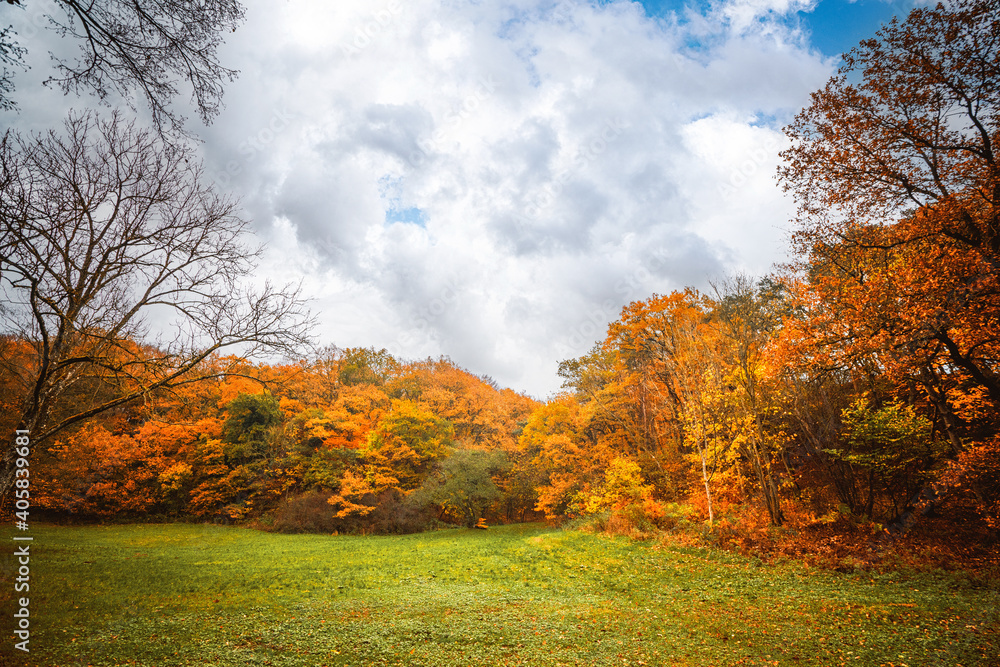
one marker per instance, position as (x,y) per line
(104,230)
(148,48)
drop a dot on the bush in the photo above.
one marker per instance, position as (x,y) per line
(306,513)
(392,513)
(395,513)
(623,504)
(636,520)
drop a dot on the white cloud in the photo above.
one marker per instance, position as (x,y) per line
(742,15)
(556,161)
(563,159)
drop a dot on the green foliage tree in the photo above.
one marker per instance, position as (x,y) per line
(365,365)
(249,427)
(892,449)
(464,483)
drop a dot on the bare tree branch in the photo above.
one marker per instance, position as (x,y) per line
(103,230)
(149,50)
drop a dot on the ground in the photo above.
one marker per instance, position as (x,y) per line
(181,594)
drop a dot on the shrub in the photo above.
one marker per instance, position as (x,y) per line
(306,513)
(396,513)
(625,499)
(390,512)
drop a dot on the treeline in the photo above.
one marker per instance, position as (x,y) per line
(753,397)
(351,440)
(693,406)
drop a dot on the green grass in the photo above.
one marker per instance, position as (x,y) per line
(204,595)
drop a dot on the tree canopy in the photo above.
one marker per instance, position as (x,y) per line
(894,167)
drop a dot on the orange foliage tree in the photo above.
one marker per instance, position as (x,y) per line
(96,473)
(398,456)
(894,167)
(569,459)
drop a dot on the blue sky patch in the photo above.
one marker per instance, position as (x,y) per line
(834,26)
(664,7)
(412,215)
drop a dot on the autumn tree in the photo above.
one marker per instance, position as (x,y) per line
(398,455)
(568,458)
(142,49)
(814,400)
(746,317)
(670,334)
(407,441)
(484,417)
(896,159)
(625,496)
(95,472)
(625,407)
(321,373)
(894,168)
(101,227)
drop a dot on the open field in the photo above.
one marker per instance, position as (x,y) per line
(207,595)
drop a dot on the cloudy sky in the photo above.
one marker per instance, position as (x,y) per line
(492,180)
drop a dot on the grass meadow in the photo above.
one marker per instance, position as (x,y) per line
(181,594)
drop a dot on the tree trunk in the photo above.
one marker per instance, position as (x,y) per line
(768,489)
(704,477)
(28,425)
(919,506)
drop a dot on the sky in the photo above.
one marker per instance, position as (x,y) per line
(493,180)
